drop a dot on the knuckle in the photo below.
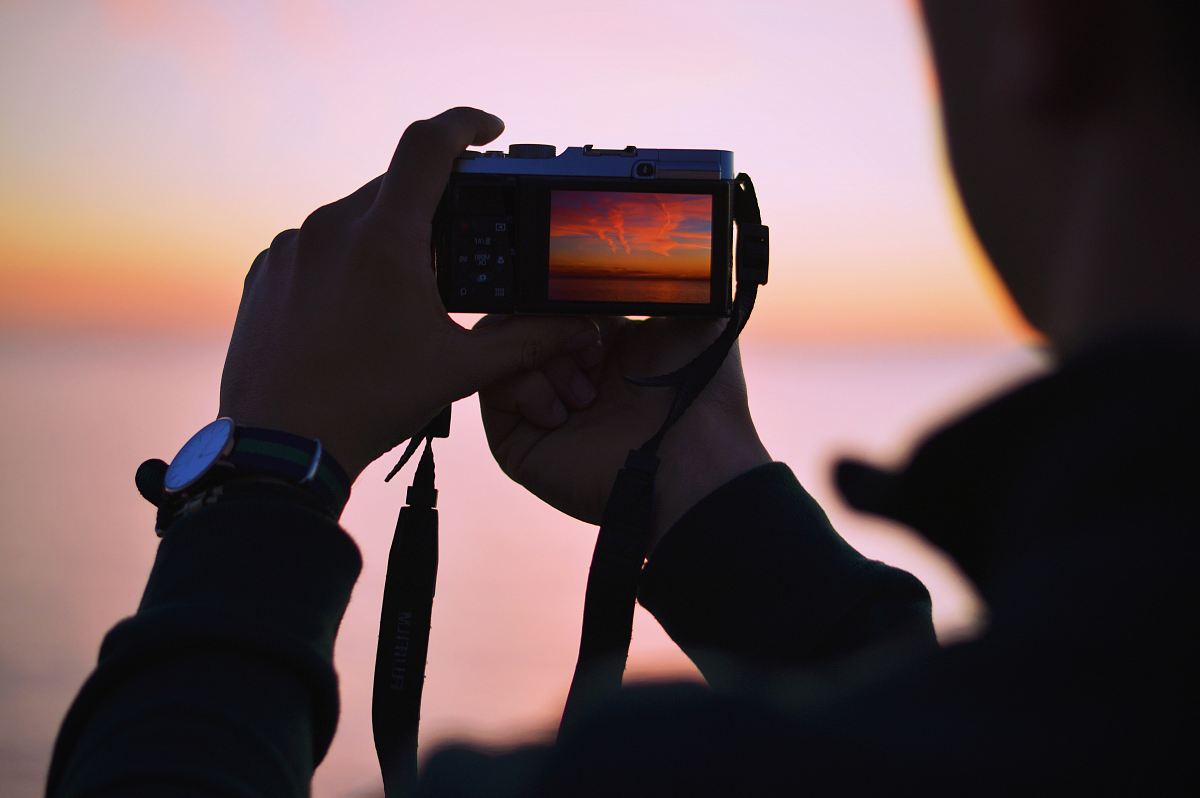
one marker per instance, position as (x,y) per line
(396,237)
(320,228)
(319,220)
(284,240)
(533,352)
(255,270)
(422,131)
(281,250)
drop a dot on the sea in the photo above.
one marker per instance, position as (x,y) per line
(77,542)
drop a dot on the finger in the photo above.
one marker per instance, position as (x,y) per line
(610,328)
(490,320)
(361,200)
(570,383)
(590,356)
(421,164)
(494,349)
(530,396)
(587,358)
(330,221)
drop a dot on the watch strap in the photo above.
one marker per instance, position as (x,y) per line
(291,458)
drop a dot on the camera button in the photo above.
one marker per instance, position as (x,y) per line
(532,150)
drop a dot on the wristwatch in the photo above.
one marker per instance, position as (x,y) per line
(223,451)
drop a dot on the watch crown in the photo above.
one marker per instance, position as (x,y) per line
(149,480)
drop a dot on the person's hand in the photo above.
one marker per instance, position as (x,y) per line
(563,430)
(341,334)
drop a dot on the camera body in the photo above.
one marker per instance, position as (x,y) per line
(615,232)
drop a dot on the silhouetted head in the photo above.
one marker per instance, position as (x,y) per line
(1073,128)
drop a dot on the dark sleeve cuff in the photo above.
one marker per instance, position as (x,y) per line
(274,562)
(756,573)
(237,620)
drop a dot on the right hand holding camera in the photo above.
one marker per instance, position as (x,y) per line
(564,430)
(341,334)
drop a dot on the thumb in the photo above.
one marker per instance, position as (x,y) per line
(500,346)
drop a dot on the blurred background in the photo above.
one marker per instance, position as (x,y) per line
(149,150)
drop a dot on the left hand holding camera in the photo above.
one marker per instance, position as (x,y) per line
(341,334)
(564,430)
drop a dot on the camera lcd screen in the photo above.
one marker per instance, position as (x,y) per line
(630,246)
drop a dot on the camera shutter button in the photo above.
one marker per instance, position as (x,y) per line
(532,151)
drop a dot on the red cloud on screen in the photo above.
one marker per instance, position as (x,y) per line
(633,223)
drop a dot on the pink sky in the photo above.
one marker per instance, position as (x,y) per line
(151,149)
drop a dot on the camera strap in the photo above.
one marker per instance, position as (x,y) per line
(624,537)
(404,619)
(617,561)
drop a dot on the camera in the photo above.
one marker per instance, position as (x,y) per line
(645,232)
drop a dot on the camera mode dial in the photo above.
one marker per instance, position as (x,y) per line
(532,150)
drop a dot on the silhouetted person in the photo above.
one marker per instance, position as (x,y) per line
(1073,130)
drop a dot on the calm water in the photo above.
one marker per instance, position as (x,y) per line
(641,289)
(77,541)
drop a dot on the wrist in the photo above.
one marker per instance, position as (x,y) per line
(697,458)
(234,489)
(346,456)
(224,457)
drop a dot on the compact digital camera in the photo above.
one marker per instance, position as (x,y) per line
(615,232)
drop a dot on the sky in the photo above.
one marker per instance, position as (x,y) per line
(150,149)
(628,234)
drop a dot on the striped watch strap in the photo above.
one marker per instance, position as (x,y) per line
(293,458)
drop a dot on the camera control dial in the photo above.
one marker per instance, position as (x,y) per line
(532,150)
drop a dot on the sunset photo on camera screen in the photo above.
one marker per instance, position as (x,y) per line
(621,246)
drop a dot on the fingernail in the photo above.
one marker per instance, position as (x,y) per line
(558,413)
(582,390)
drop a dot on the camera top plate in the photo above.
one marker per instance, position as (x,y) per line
(588,161)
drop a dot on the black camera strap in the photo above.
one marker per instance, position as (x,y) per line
(615,571)
(404,619)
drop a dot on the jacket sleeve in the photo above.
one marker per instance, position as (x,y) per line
(223,682)
(755,576)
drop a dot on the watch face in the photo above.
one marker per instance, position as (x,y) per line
(198,455)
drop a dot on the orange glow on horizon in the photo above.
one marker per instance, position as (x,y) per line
(84,301)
